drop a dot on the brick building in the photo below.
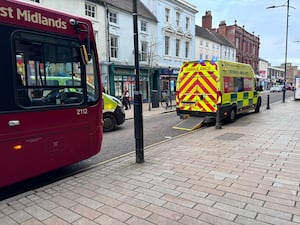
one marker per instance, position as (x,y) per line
(291,72)
(247,44)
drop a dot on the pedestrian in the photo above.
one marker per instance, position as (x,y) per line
(104,90)
(165,98)
(125,99)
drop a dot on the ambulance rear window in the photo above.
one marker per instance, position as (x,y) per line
(237,84)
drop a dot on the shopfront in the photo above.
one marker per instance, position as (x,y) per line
(168,77)
(122,77)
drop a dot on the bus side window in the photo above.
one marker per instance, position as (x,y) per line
(19,80)
(92,81)
(23,98)
(51,69)
(22,93)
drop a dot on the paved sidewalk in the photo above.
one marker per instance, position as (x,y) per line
(245,173)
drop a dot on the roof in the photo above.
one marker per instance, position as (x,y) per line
(224,40)
(205,33)
(126,5)
(212,36)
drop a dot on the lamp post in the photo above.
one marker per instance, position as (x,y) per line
(287,5)
(138,110)
(170,93)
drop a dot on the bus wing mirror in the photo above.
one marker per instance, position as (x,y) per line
(84,55)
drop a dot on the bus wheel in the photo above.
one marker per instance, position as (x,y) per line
(109,122)
(232,116)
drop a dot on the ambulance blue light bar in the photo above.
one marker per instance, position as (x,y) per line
(214,59)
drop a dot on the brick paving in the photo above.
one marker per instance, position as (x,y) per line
(247,172)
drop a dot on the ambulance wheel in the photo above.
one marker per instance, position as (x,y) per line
(232,116)
(109,122)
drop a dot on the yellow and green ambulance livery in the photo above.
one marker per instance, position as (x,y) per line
(204,86)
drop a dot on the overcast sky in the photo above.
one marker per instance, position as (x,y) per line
(269,24)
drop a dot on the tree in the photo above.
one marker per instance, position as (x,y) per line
(151,56)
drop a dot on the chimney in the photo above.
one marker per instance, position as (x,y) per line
(222,28)
(207,20)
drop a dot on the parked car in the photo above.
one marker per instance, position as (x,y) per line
(290,87)
(276,89)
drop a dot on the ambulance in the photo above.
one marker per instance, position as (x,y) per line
(113,112)
(205,86)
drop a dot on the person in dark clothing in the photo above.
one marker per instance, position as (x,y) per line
(104,90)
(125,101)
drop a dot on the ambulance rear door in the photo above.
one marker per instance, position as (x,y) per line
(198,87)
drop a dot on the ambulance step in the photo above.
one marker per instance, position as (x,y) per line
(190,123)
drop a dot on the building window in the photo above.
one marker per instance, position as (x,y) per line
(143,26)
(167,45)
(187,23)
(187,49)
(90,10)
(177,47)
(206,44)
(167,15)
(36,1)
(114,46)
(201,42)
(177,19)
(237,42)
(144,55)
(113,17)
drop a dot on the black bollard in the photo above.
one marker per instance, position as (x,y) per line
(218,118)
(268,102)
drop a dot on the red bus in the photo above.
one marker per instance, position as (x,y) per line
(44,123)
